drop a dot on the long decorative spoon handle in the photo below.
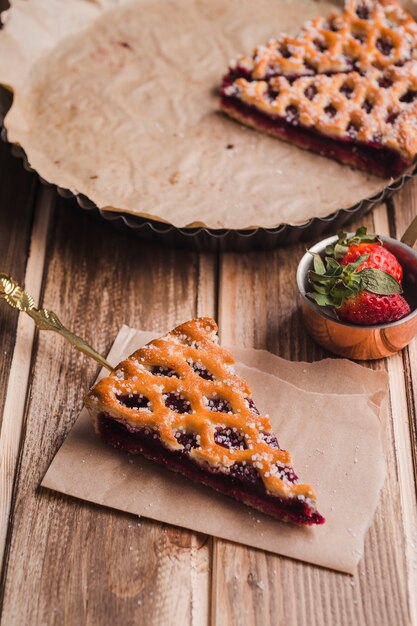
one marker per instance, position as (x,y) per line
(16,297)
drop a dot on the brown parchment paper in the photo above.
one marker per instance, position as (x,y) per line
(334,438)
(118,101)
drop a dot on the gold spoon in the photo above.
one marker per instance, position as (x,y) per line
(17,298)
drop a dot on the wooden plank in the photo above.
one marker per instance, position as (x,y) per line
(13,414)
(403,384)
(17,198)
(17,192)
(258,307)
(407,486)
(403,211)
(70,562)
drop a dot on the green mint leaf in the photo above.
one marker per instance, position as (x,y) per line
(361,232)
(332,264)
(354,266)
(338,301)
(340,250)
(320,299)
(355,281)
(362,236)
(379,282)
(341,292)
(323,289)
(313,277)
(319,267)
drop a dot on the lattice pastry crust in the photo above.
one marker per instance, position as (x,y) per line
(188,364)
(369,33)
(351,77)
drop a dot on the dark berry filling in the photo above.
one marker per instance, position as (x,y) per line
(310,67)
(367,106)
(160,370)
(385,82)
(271,440)
(346,90)
(229,438)
(249,475)
(234,74)
(384,45)
(246,474)
(409,96)
(252,406)
(353,129)
(362,12)
(272,94)
(134,401)
(219,404)
(177,403)
(188,440)
(320,45)
(285,52)
(288,473)
(292,115)
(310,92)
(240,484)
(392,116)
(330,110)
(359,36)
(202,371)
(370,156)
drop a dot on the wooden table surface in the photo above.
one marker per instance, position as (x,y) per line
(69,562)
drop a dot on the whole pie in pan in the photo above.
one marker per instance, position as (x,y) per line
(344,87)
(119,103)
(179,402)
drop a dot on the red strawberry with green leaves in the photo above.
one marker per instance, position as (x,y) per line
(369,309)
(348,249)
(360,294)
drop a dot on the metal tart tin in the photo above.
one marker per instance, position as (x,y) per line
(218,240)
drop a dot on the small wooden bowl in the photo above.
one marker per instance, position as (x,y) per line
(362,342)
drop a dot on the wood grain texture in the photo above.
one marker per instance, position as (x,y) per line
(14,406)
(17,199)
(403,209)
(70,562)
(17,193)
(258,307)
(403,384)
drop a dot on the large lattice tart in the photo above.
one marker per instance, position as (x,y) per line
(179,402)
(345,87)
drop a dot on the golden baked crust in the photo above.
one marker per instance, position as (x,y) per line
(189,349)
(351,77)
(371,108)
(368,33)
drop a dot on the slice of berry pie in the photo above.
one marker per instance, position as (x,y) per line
(345,87)
(179,402)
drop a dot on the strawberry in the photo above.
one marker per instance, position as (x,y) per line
(363,289)
(368,309)
(349,249)
(379,258)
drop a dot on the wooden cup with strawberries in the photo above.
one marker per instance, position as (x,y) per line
(360,279)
